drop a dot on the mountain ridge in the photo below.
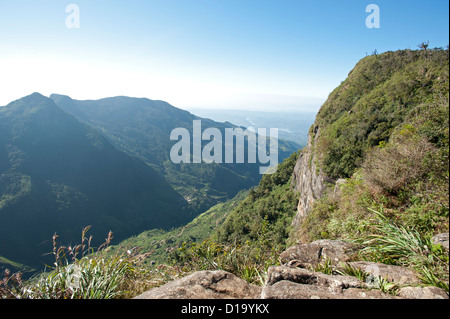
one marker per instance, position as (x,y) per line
(142,127)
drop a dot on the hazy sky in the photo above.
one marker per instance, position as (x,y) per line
(203,53)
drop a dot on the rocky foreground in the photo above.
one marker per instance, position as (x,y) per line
(294,279)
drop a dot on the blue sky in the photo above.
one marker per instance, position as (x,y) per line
(247,54)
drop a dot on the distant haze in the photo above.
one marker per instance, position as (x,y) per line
(258,102)
(292,123)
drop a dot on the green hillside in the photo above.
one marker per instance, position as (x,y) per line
(388,122)
(157,244)
(379,94)
(235,221)
(272,202)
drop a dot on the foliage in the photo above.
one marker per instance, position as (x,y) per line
(391,243)
(107,165)
(374,99)
(399,162)
(92,276)
(157,243)
(372,281)
(347,269)
(272,200)
(253,234)
(248,261)
(407,176)
(11,285)
(207,243)
(141,127)
(385,129)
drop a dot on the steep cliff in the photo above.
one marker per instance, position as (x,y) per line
(308,180)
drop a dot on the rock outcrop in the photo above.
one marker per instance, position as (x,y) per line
(309,255)
(422,293)
(398,274)
(283,282)
(295,279)
(205,285)
(441,239)
(296,283)
(307,179)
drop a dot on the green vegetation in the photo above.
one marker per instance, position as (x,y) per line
(272,201)
(155,257)
(391,243)
(61,169)
(373,282)
(248,261)
(77,273)
(407,177)
(253,234)
(158,243)
(243,236)
(375,98)
(14,266)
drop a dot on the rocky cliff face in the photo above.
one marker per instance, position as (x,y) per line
(308,181)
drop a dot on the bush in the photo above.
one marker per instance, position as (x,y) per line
(248,261)
(394,165)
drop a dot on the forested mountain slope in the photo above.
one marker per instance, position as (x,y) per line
(58,175)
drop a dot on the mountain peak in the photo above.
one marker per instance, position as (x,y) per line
(32,104)
(33,97)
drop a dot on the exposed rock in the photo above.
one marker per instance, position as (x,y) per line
(296,283)
(305,255)
(301,255)
(441,239)
(423,293)
(290,290)
(354,293)
(307,180)
(205,285)
(308,277)
(289,283)
(398,274)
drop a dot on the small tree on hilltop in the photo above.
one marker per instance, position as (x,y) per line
(424,45)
